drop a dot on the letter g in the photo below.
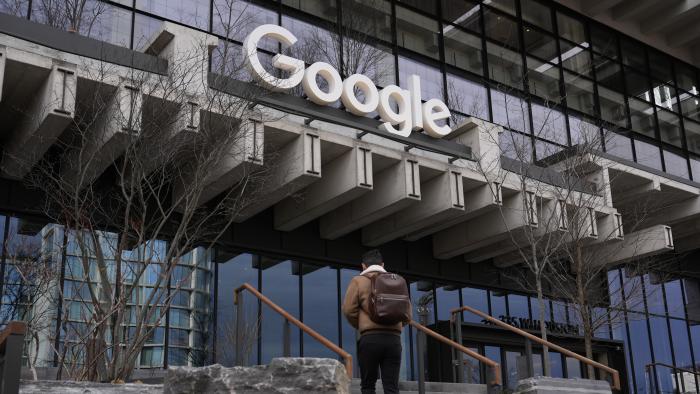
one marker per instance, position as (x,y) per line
(250,55)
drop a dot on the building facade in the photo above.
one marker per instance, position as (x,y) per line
(540,76)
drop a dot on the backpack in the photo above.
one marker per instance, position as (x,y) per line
(389,301)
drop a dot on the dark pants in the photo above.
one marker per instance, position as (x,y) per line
(377,351)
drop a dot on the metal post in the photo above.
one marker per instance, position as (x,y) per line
(239,330)
(286,336)
(453,358)
(423,317)
(528,355)
(12,364)
(460,356)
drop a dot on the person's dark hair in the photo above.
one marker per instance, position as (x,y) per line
(372,257)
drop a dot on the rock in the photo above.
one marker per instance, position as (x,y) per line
(71,387)
(545,385)
(283,375)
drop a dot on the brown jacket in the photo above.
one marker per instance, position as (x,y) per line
(356,305)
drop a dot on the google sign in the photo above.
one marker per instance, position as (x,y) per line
(411,114)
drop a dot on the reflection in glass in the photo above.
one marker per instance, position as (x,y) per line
(555,364)
(639,345)
(692,135)
(579,93)
(642,117)
(518,306)
(676,164)
(549,124)
(501,29)
(510,111)
(571,29)
(669,127)
(648,154)
(505,66)
(190,12)
(477,299)
(235,19)
(349,333)
(447,299)
(544,149)
(612,106)
(431,85)
(662,352)
(320,308)
(584,131)
(573,368)
(543,80)
(417,32)
(540,44)
(498,304)
(604,41)
(516,146)
(461,12)
(536,13)
(467,97)
(463,50)
(577,58)
(325,9)
(280,286)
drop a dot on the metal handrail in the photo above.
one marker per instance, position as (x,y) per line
(495,367)
(615,374)
(673,368)
(347,357)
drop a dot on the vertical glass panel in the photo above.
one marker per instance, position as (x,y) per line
(609,74)
(573,368)
(422,299)
(654,294)
(431,85)
(695,168)
(549,123)
(505,66)
(320,308)
(686,77)
(152,357)
(503,5)
(472,370)
(555,364)
(326,9)
(612,106)
(676,164)
(681,344)
(511,359)
(604,41)
(662,353)
(674,298)
(637,85)
(462,12)
(350,335)
(417,32)
(670,127)
(692,135)
(477,299)
(620,333)
(144,29)
(536,13)
(648,154)
(236,19)
(571,29)
(633,54)
(510,111)
(543,80)
(584,131)
(542,45)
(367,17)
(639,346)
(315,44)
(498,304)
(642,117)
(618,145)
(516,146)
(426,6)
(665,96)
(190,12)
(579,93)
(501,28)
(544,149)
(577,58)
(15,7)
(535,308)
(282,287)
(633,290)
(447,300)
(518,306)
(467,97)
(690,105)
(660,67)
(559,313)
(463,50)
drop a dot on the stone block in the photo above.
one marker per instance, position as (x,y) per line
(70,387)
(545,385)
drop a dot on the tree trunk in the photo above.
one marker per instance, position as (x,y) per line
(543,328)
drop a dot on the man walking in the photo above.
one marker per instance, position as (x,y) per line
(377,305)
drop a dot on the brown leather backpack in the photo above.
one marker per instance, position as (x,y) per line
(389,301)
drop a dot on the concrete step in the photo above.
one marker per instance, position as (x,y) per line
(411,387)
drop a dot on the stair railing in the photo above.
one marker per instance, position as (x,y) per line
(495,368)
(288,318)
(457,312)
(653,384)
(11,344)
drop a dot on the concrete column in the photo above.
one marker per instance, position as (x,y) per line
(297,165)
(481,231)
(45,119)
(395,188)
(442,199)
(244,155)
(118,125)
(345,179)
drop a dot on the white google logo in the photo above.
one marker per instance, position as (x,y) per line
(410,115)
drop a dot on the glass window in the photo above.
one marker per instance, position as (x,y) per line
(501,29)
(544,149)
(367,17)
(536,13)
(422,297)
(461,12)
(604,41)
(179,337)
(692,135)
(584,131)
(477,299)
(674,298)
(573,368)
(665,96)
(633,54)
(510,111)
(463,50)
(543,80)
(695,168)
(612,106)
(637,85)
(618,145)
(190,12)
(320,308)
(662,352)
(639,346)
(686,77)
(579,93)
(15,7)
(681,344)
(326,9)
(571,29)
(503,5)
(642,117)
(648,154)
(152,357)
(549,123)
(315,44)
(669,127)
(535,308)
(279,285)
(609,74)
(559,313)
(555,364)
(676,164)
(350,335)
(516,146)
(518,306)
(690,105)
(498,304)
(660,67)
(425,6)
(235,19)
(417,32)
(467,97)
(653,290)
(178,356)
(431,85)
(505,66)
(576,58)
(542,45)
(144,29)
(447,299)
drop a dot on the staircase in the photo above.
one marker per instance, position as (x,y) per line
(430,387)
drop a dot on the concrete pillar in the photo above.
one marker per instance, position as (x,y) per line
(345,179)
(483,230)
(442,199)
(244,154)
(296,165)
(45,119)
(395,188)
(118,125)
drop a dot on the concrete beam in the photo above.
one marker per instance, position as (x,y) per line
(672,15)
(482,231)
(684,35)
(675,213)
(631,9)
(44,121)
(597,7)
(244,155)
(637,245)
(119,123)
(443,199)
(477,202)
(395,188)
(345,179)
(296,165)
(687,244)
(636,192)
